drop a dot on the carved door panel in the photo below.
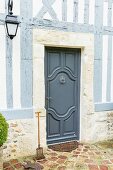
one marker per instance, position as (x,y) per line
(62,94)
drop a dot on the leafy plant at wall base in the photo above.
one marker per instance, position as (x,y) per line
(3,130)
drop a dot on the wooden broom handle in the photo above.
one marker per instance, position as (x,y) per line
(39,129)
(38,115)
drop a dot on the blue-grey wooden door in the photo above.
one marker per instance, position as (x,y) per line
(62,94)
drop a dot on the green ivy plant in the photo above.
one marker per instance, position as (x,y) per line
(3,130)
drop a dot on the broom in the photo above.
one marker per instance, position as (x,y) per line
(39,150)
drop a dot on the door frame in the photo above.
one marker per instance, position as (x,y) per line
(85,41)
(78,88)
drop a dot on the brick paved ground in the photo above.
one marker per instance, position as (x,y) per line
(85,157)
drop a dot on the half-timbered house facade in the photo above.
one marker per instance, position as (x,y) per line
(60,63)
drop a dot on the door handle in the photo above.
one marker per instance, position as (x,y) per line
(48,98)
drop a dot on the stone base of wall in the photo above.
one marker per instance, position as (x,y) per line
(98,127)
(22,138)
(110,125)
(1,158)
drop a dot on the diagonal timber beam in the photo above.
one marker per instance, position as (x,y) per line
(47,7)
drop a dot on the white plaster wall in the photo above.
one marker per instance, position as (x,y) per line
(16,7)
(105,13)
(37,5)
(2,6)
(57,6)
(91,12)
(2,69)
(70,13)
(112,14)
(81,11)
